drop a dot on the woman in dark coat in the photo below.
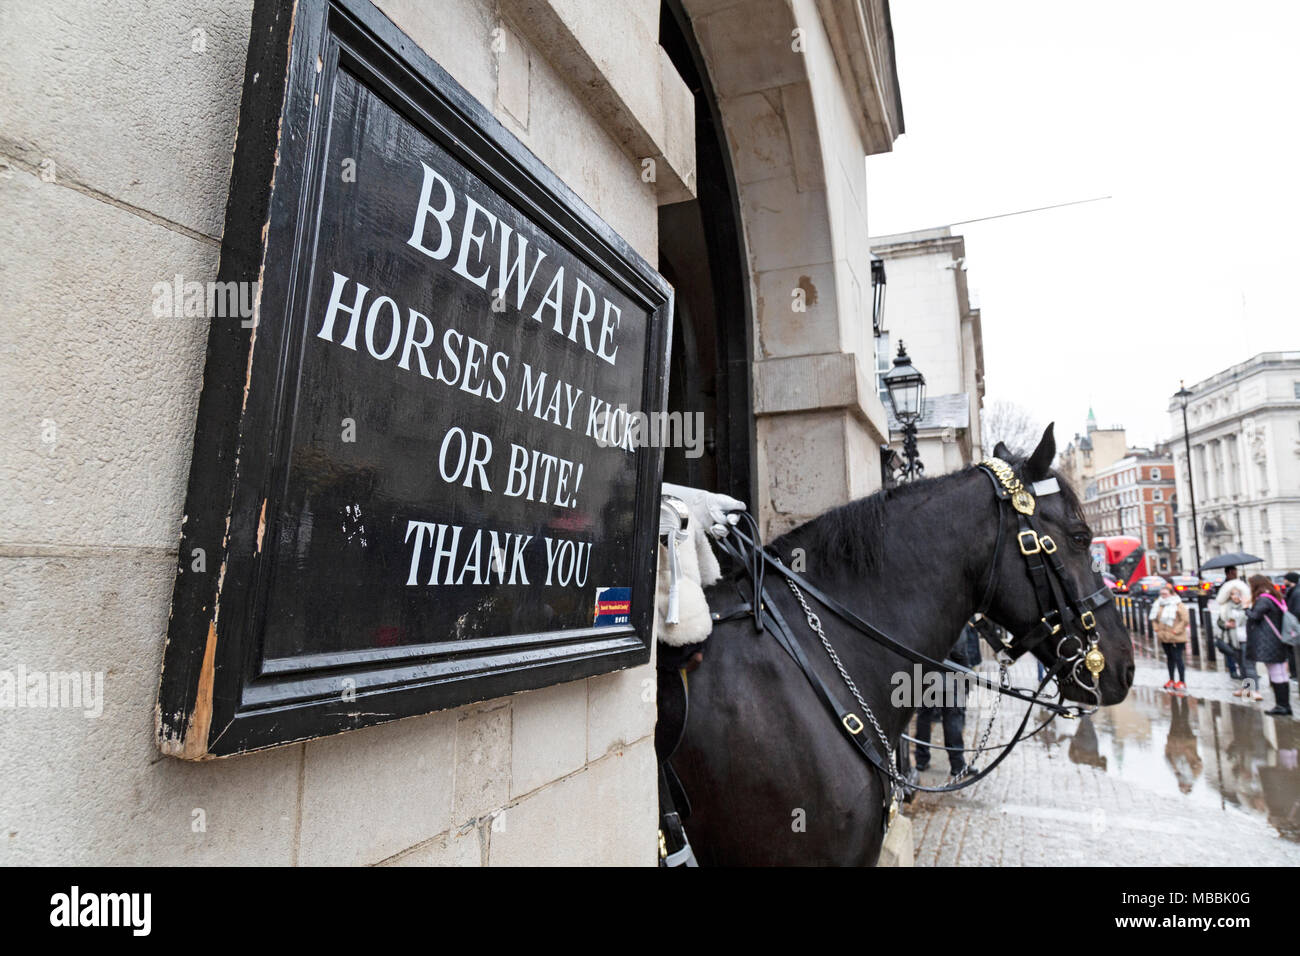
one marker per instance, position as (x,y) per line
(1263,625)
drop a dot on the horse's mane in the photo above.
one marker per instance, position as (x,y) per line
(854,534)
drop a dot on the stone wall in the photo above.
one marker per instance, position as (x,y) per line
(799,163)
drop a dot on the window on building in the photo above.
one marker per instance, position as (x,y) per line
(1234,467)
(1158,494)
(884,362)
(1155,474)
(1263,521)
(1160,515)
(1297,389)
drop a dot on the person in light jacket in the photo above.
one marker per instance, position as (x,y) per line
(1233,599)
(1264,643)
(1169,620)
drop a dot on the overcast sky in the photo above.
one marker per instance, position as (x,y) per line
(1186,113)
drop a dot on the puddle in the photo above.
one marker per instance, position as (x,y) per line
(1220,757)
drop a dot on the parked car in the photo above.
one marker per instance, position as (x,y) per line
(1149,585)
(1188,586)
(1110,581)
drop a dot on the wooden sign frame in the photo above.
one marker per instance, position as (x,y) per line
(220,694)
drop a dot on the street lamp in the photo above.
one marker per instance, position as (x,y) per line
(1183,394)
(906,388)
(877,295)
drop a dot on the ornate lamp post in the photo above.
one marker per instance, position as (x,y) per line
(1183,394)
(907,396)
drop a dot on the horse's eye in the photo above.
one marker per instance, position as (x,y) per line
(1081,538)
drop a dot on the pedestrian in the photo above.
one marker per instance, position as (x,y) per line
(1170,621)
(1264,640)
(1292,598)
(1229,632)
(1233,599)
(951,714)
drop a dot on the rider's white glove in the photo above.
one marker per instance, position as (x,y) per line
(715,512)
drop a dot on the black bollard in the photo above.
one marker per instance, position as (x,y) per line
(1194,627)
(1207,625)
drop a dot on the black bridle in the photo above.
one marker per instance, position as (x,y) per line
(1062,616)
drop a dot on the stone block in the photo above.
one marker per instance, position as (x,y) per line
(783,331)
(368,794)
(782,223)
(85,354)
(620,709)
(759,141)
(94,791)
(514,66)
(138,101)
(750,47)
(550,828)
(457,34)
(482,760)
(462,847)
(549,735)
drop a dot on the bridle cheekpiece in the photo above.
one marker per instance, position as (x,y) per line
(1061,612)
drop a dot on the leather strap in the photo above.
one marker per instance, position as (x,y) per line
(879,636)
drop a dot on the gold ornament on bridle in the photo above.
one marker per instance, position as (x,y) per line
(1095,661)
(1021,499)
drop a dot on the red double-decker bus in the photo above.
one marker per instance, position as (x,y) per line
(1125,559)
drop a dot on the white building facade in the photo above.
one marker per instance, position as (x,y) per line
(930,311)
(1244,429)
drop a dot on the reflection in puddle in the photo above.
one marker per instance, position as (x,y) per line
(1224,758)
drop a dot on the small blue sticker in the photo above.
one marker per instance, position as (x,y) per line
(613,606)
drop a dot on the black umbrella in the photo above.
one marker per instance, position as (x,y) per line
(1230,560)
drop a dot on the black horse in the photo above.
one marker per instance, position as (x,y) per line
(771,779)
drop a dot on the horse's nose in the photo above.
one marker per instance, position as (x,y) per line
(1129,671)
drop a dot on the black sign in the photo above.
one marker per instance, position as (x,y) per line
(421,473)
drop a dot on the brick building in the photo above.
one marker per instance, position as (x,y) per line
(1135,496)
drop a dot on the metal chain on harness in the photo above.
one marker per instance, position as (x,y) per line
(1004,677)
(815,623)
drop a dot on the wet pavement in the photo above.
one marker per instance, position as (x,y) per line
(1164,780)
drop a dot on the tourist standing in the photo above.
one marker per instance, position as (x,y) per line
(1233,600)
(1170,621)
(1264,640)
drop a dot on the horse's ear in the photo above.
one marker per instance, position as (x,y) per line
(1040,462)
(1000,450)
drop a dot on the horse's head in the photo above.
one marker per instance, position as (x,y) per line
(1059,543)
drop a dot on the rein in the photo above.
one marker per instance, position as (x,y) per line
(1060,611)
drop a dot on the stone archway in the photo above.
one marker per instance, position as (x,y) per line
(798,132)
